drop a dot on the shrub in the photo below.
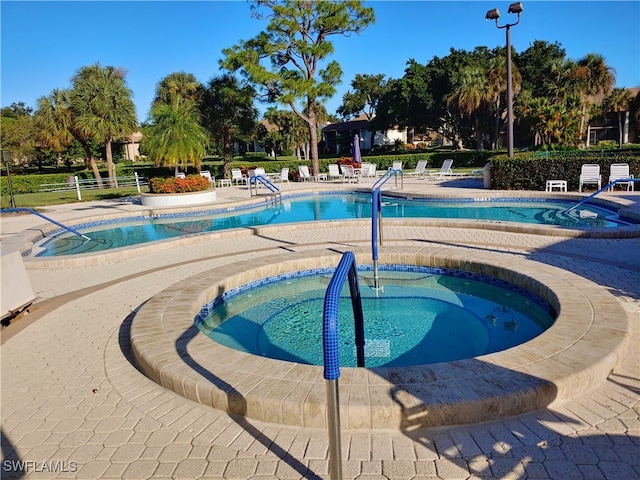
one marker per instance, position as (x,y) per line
(193,183)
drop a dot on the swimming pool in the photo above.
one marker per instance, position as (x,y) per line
(423,316)
(320,207)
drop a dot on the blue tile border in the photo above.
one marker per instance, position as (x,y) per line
(324,271)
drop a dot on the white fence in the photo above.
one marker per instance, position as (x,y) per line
(74,183)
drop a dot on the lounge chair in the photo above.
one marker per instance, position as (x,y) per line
(397,166)
(207,174)
(619,171)
(420,169)
(284,175)
(444,171)
(303,170)
(590,175)
(237,177)
(334,172)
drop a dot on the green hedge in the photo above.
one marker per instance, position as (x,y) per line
(528,171)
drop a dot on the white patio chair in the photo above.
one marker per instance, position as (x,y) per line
(349,174)
(180,175)
(590,175)
(420,169)
(284,175)
(619,171)
(445,170)
(334,172)
(237,177)
(303,171)
(207,174)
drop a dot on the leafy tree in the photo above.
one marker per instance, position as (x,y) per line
(535,64)
(17,133)
(619,100)
(286,60)
(174,136)
(365,96)
(102,107)
(56,128)
(228,112)
(16,110)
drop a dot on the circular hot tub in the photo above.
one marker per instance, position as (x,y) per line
(576,353)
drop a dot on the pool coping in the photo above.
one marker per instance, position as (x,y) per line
(578,352)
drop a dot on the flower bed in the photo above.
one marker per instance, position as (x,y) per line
(193,183)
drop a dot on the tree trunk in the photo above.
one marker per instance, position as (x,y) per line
(313,138)
(619,129)
(92,164)
(111,170)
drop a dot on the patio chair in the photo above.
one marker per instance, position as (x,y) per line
(207,174)
(349,174)
(334,172)
(590,175)
(420,169)
(303,171)
(397,166)
(284,175)
(619,171)
(365,168)
(237,177)
(180,175)
(445,170)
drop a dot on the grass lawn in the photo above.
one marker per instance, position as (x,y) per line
(42,199)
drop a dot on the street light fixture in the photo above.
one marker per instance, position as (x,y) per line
(494,14)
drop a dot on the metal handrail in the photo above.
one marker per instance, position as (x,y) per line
(376,218)
(22,209)
(273,189)
(606,187)
(330,341)
(392,172)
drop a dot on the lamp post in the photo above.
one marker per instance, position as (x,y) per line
(494,14)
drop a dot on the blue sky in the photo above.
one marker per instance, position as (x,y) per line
(44,43)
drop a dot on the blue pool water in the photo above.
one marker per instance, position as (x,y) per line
(425,315)
(115,234)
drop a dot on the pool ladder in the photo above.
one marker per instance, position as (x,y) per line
(268,184)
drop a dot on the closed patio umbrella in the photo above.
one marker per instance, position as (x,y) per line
(356,150)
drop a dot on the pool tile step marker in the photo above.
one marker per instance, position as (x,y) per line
(527,376)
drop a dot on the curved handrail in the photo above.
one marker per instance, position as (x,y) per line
(330,344)
(22,209)
(346,268)
(392,172)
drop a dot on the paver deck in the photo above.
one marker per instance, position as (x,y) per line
(75,406)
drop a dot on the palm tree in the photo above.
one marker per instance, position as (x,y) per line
(180,84)
(497,83)
(619,100)
(228,112)
(103,107)
(596,81)
(175,137)
(470,94)
(56,127)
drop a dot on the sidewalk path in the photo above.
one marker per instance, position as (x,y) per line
(74,405)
